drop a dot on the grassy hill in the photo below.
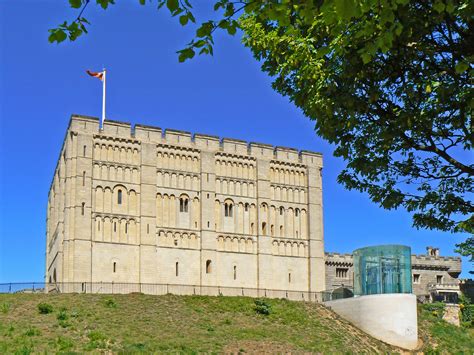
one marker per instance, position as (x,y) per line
(135,322)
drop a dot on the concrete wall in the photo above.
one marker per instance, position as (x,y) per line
(391,318)
(149,201)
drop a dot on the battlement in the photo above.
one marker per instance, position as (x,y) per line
(338,258)
(152,134)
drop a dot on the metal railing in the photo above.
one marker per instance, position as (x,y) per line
(159,289)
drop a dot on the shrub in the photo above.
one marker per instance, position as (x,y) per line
(45,308)
(110,302)
(436,309)
(32,331)
(5,307)
(262,307)
(62,315)
(467,310)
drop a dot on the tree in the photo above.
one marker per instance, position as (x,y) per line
(389,82)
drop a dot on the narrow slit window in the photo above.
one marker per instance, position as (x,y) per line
(235,272)
(282,210)
(98,226)
(83,178)
(177,269)
(82,208)
(208,266)
(119,197)
(289,277)
(126,227)
(84,151)
(115,226)
(147,229)
(114,267)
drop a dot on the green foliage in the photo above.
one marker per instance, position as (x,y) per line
(110,303)
(32,331)
(262,307)
(467,249)
(5,307)
(467,310)
(45,308)
(436,309)
(62,315)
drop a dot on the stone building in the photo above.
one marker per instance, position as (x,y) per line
(146,206)
(433,276)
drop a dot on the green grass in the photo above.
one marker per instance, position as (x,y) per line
(189,324)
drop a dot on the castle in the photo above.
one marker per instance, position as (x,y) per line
(140,205)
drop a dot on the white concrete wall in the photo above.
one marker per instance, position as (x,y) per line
(391,318)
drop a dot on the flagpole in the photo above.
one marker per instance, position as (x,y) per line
(103,100)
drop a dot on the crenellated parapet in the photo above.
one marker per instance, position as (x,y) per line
(337,259)
(151,134)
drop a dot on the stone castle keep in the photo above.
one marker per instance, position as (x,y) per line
(142,205)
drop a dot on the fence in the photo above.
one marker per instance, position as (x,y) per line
(156,289)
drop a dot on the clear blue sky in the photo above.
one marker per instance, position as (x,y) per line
(225,95)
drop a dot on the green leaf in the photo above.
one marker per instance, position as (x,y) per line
(75,3)
(57,35)
(183,20)
(172,5)
(438,6)
(205,29)
(345,9)
(185,54)
(461,67)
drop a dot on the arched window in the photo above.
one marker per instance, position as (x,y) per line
(114,267)
(264,228)
(126,227)
(246,207)
(208,266)
(98,225)
(119,197)
(183,204)
(228,209)
(297,212)
(251,228)
(272,230)
(83,178)
(282,210)
(289,277)
(82,208)
(235,272)
(177,269)
(115,226)
(281,231)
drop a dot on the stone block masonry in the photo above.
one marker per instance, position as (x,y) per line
(145,205)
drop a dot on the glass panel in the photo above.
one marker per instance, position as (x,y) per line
(382,269)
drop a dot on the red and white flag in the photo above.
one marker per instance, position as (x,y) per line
(98,75)
(101,76)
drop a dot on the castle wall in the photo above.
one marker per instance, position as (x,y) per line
(426,270)
(142,205)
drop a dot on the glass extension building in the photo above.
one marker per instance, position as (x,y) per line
(382,269)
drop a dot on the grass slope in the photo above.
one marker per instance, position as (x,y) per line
(131,323)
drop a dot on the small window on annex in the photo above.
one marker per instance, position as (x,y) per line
(341,272)
(416,278)
(439,279)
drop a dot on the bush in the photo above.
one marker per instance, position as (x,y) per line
(467,310)
(110,302)
(262,307)
(32,331)
(45,308)
(62,315)
(5,307)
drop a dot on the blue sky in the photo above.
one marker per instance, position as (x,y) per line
(227,95)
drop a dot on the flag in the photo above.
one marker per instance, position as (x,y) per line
(99,75)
